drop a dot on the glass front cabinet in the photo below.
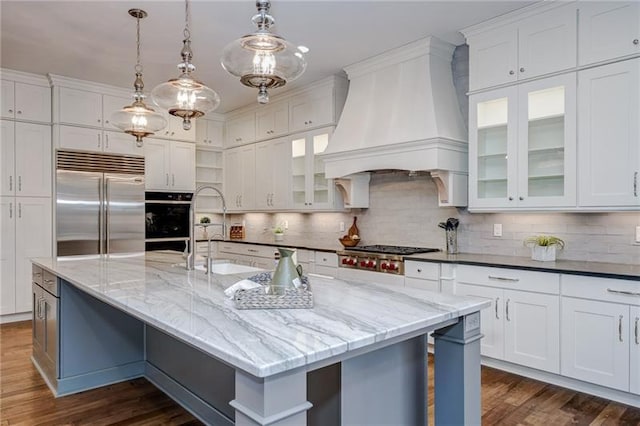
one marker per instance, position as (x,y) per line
(310,189)
(522,146)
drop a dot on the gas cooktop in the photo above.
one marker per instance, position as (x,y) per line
(398,250)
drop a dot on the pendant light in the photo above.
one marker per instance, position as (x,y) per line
(263,60)
(185,97)
(138,119)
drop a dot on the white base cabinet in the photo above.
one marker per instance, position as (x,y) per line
(520,326)
(634,353)
(26,226)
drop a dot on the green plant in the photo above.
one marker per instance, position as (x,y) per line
(544,241)
(205,219)
(278,230)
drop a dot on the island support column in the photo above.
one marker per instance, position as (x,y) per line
(279,400)
(457,373)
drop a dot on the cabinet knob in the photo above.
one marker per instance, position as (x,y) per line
(19,112)
(636,41)
(522,69)
(99,120)
(419,270)
(510,198)
(11,111)
(520,198)
(511,72)
(310,121)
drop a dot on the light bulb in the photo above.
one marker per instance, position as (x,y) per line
(264,63)
(139,121)
(187,98)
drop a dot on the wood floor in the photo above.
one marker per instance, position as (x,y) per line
(507,399)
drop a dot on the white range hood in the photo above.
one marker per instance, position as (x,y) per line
(402,113)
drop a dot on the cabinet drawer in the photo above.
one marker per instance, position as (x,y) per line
(422,270)
(515,279)
(602,289)
(50,282)
(36,274)
(231,248)
(260,251)
(324,258)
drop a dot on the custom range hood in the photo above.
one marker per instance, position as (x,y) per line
(402,113)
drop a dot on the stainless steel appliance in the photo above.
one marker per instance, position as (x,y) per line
(379,258)
(167,220)
(99,203)
(45,321)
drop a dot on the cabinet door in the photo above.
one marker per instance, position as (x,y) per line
(81,138)
(320,190)
(272,174)
(272,121)
(635,350)
(7,255)
(177,130)
(121,143)
(241,130)
(111,104)
(311,110)
(547,42)
(532,330)
(608,30)
(609,155)
(264,175)
(595,347)
(183,166)
(493,58)
(33,239)
(209,133)
(157,164)
(33,103)
(493,133)
(248,171)
(7,158)
(232,178)
(491,319)
(239,178)
(33,160)
(547,142)
(80,107)
(38,331)
(8,99)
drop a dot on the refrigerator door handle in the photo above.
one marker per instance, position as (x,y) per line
(101,213)
(106,202)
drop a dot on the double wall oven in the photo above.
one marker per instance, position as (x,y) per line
(167,220)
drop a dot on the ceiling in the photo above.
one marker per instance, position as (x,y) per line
(95,40)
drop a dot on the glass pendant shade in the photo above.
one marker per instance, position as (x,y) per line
(138,119)
(263,60)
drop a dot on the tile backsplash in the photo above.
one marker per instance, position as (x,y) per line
(404,211)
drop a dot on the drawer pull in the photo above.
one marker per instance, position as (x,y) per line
(625,292)
(48,281)
(494,277)
(620,328)
(507,309)
(636,331)
(497,300)
(252,250)
(419,270)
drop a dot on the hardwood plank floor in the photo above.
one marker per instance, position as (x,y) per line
(507,399)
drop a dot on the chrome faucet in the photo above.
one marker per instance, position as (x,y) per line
(191,258)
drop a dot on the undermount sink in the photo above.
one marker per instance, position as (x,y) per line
(229,268)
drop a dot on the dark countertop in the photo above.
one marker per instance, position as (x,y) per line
(574,267)
(284,244)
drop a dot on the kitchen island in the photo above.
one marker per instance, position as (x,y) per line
(358,357)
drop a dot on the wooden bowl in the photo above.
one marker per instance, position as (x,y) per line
(348,242)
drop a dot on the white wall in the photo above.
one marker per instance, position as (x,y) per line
(404,211)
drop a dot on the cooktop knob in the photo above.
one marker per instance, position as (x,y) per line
(344,261)
(384,266)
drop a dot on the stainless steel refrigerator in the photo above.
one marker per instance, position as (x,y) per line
(99,203)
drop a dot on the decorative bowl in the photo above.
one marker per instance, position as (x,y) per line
(348,242)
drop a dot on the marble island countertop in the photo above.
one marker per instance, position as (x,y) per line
(191,306)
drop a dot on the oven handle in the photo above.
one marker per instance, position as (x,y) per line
(167,202)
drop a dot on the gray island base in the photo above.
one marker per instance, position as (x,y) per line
(358,357)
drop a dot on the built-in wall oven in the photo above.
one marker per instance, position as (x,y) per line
(167,220)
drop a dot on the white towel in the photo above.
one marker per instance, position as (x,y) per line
(240,285)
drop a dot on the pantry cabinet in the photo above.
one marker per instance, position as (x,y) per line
(310,189)
(273,171)
(26,225)
(534,46)
(28,102)
(609,155)
(608,30)
(169,165)
(522,145)
(239,178)
(522,324)
(25,156)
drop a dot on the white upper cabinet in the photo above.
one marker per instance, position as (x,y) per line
(540,44)
(272,120)
(25,156)
(175,129)
(240,130)
(608,30)
(312,109)
(522,145)
(169,165)
(609,135)
(273,164)
(79,107)
(111,104)
(239,178)
(209,133)
(28,102)
(88,139)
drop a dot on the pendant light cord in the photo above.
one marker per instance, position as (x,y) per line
(138,67)
(187,11)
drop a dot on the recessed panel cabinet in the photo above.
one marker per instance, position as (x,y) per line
(240,130)
(239,178)
(88,139)
(169,165)
(522,145)
(272,121)
(609,155)
(209,133)
(535,46)
(273,164)
(608,30)
(28,102)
